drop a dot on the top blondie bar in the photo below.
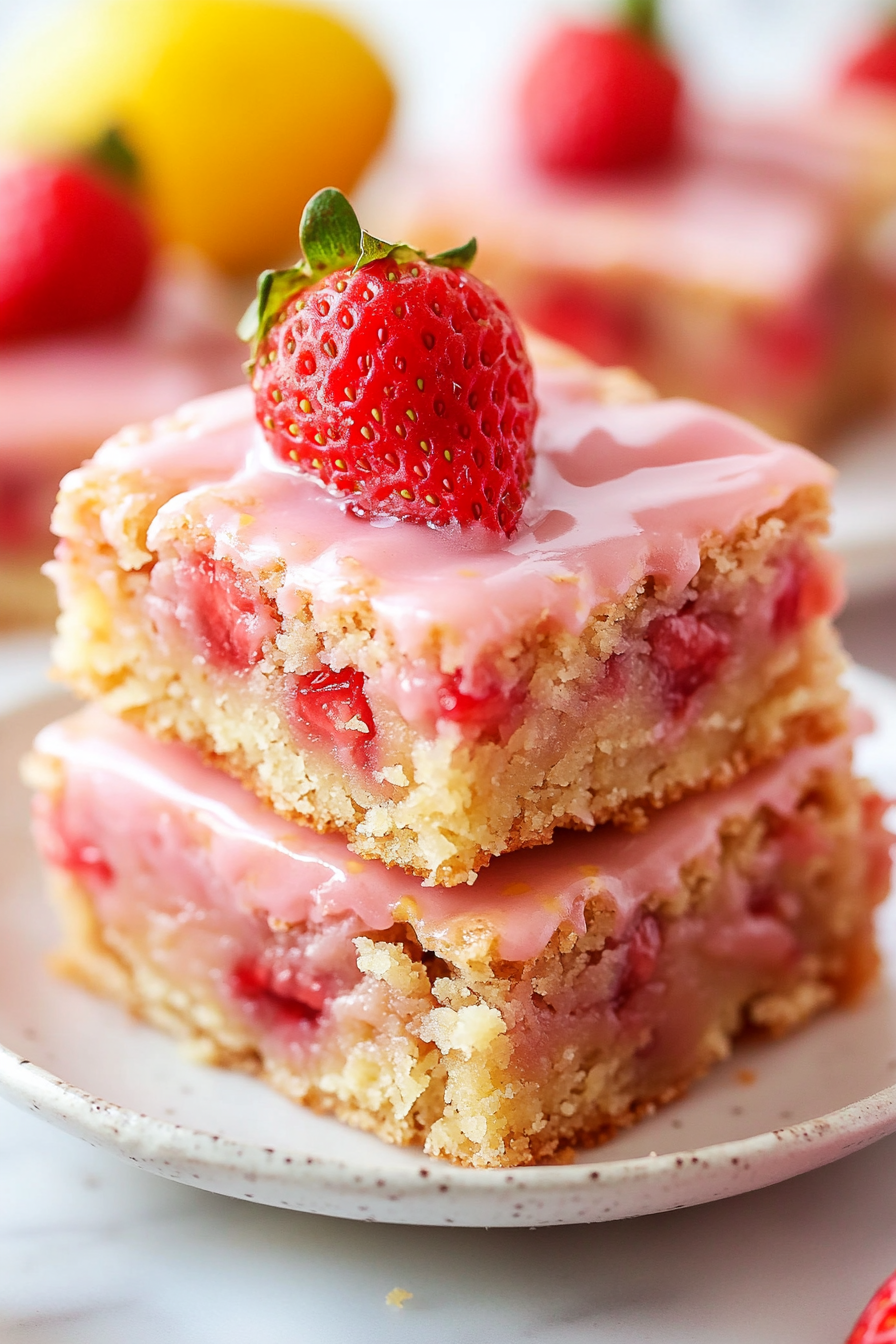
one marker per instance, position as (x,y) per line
(648,615)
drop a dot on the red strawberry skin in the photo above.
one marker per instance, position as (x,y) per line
(73,251)
(596,99)
(876,65)
(404,386)
(877,1323)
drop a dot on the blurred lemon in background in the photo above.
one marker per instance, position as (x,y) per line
(236,111)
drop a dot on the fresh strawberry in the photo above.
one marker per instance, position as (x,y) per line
(877,1323)
(874,64)
(398,381)
(73,251)
(598,98)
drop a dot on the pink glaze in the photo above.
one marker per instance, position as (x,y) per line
(60,397)
(844,142)
(619,493)
(291,874)
(742,230)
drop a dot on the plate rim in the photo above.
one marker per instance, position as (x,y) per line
(159,1144)
(244,1158)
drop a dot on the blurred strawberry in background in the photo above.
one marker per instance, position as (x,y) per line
(601,96)
(877,1323)
(74,251)
(874,65)
(157,153)
(234,111)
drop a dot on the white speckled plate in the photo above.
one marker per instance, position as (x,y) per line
(773,1111)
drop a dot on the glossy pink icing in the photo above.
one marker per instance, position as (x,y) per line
(741,230)
(845,141)
(287,872)
(70,393)
(619,493)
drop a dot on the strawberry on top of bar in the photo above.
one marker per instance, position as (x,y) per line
(266,575)
(398,380)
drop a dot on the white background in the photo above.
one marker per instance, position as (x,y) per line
(453,59)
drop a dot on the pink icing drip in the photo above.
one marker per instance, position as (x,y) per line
(619,492)
(285,871)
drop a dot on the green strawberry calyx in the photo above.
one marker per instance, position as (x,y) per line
(642,17)
(113,156)
(332,240)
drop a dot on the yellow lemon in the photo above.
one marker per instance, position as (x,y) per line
(236,110)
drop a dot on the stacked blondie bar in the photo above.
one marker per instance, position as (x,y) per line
(746,259)
(467,753)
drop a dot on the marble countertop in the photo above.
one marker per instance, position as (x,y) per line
(95,1252)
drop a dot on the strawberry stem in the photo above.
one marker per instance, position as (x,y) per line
(642,17)
(112,155)
(332,240)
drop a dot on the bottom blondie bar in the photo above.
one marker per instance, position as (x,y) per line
(572,990)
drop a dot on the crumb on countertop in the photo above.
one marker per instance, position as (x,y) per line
(398,1297)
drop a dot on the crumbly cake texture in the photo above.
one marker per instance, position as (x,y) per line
(471,702)
(423,1031)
